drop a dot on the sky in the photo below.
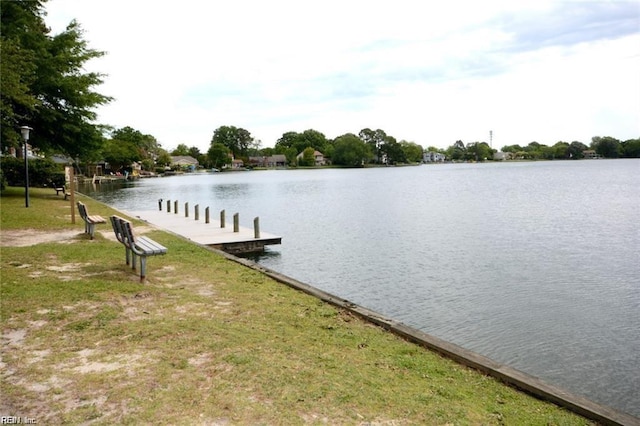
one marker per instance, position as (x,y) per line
(502,72)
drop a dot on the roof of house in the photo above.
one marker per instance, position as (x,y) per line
(183,160)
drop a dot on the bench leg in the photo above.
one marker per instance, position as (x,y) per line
(127,255)
(143,268)
(134,259)
(91,228)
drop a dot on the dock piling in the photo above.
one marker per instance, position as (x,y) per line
(256,227)
(236,222)
(160,204)
(197,212)
(206,215)
(175,207)
(222,218)
(186,209)
(168,206)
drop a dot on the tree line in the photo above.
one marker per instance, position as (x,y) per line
(44,85)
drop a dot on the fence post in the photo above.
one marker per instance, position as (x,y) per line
(236,222)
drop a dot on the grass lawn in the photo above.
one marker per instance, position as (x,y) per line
(205,341)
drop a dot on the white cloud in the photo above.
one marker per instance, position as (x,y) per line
(431,73)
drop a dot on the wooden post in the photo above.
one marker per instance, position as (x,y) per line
(168,206)
(160,204)
(197,212)
(256,227)
(186,209)
(72,192)
(206,215)
(175,207)
(236,222)
(222,217)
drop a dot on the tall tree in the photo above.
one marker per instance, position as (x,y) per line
(350,151)
(607,146)
(47,88)
(237,139)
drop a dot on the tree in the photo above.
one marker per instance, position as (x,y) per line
(631,148)
(237,139)
(45,85)
(607,146)
(308,159)
(412,151)
(575,150)
(180,150)
(478,151)
(374,140)
(219,155)
(392,151)
(457,151)
(301,141)
(350,151)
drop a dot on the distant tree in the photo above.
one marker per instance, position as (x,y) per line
(560,150)
(163,159)
(120,154)
(478,151)
(218,155)
(412,151)
(576,149)
(180,150)
(300,141)
(512,148)
(631,148)
(308,159)
(393,152)
(374,140)
(607,146)
(350,150)
(457,151)
(237,139)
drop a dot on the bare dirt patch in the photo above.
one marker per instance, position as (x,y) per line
(31,237)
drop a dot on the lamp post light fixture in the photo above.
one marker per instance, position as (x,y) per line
(24,130)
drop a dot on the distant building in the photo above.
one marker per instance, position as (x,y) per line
(278,160)
(433,157)
(502,156)
(184,162)
(318,158)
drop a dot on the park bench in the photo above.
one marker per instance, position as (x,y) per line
(135,247)
(90,221)
(63,190)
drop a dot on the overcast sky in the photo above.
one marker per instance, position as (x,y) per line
(426,72)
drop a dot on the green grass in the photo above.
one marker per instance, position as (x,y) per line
(206,340)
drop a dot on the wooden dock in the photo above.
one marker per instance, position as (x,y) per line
(210,234)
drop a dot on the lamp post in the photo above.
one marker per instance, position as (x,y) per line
(25,135)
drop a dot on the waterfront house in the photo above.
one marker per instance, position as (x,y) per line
(317,156)
(277,160)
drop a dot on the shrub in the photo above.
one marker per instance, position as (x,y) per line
(43,172)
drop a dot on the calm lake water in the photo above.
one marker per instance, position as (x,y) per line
(534,264)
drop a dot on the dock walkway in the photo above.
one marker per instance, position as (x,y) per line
(209,234)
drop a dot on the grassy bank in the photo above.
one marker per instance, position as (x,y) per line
(205,341)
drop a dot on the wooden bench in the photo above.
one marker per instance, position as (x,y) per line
(90,221)
(64,191)
(135,247)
